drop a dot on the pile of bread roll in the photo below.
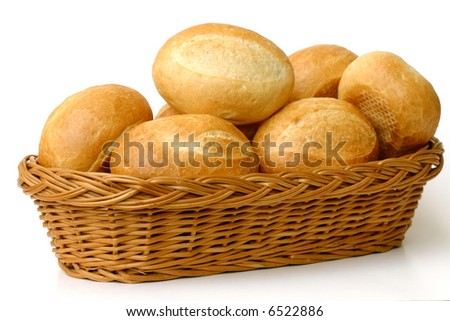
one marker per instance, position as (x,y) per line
(237,104)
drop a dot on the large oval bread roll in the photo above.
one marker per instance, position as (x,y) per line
(318,70)
(183,145)
(223,70)
(80,128)
(401,104)
(315,133)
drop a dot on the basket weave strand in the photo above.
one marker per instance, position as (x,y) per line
(107,227)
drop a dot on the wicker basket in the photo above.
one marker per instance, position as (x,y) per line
(106,227)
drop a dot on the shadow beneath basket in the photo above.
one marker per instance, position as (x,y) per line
(367,276)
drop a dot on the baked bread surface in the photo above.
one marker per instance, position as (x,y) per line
(315,133)
(401,104)
(223,70)
(84,124)
(318,70)
(183,145)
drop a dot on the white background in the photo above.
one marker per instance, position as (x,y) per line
(51,49)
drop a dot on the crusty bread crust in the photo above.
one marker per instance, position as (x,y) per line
(318,70)
(401,104)
(183,145)
(78,129)
(315,133)
(223,70)
(167,110)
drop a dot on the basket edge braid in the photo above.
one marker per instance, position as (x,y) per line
(88,189)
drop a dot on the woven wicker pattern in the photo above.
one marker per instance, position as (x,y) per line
(116,228)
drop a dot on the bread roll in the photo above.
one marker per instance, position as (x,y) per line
(84,123)
(318,70)
(167,110)
(223,70)
(401,104)
(183,145)
(315,133)
(249,130)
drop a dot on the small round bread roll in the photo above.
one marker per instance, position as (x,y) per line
(82,126)
(249,130)
(167,110)
(315,133)
(223,70)
(183,145)
(401,104)
(318,70)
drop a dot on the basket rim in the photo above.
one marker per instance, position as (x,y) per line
(125,193)
(422,155)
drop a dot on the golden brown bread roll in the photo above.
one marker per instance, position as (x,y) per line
(167,110)
(401,104)
(313,133)
(223,70)
(183,145)
(249,130)
(318,70)
(77,130)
